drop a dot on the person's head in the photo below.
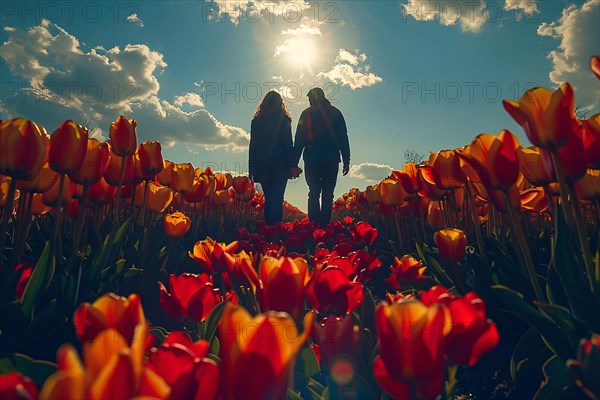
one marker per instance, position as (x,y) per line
(272,104)
(315,96)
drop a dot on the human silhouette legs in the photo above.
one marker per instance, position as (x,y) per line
(321,179)
(274,191)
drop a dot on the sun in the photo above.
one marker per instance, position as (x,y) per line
(300,52)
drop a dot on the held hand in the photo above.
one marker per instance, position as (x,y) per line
(345,169)
(296,171)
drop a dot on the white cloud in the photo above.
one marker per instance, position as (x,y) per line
(254,10)
(348,71)
(370,172)
(578,32)
(471,16)
(193,99)
(529,7)
(133,18)
(303,29)
(93,87)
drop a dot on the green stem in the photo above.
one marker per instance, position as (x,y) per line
(80,219)
(582,239)
(25,224)
(522,246)
(119,188)
(57,218)
(10,198)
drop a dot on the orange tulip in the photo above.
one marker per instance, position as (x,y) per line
(595,65)
(37,205)
(123,136)
(111,369)
(445,166)
(452,244)
(4,185)
(373,195)
(214,257)
(150,155)
(164,176)
(434,215)
(588,187)
(494,158)
(241,183)
(109,311)
(429,186)
(68,145)
(182,177)
(114,168)
(269,340)
(532,166)
(412,338)
(94,165)
(534,200)
(24,148)
(408,178)
(50,198)
(548,118)
(392,193)
(43,181)
(159,198)
(177,224)
(221,197)
(282,284)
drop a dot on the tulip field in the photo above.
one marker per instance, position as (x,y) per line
(472,275)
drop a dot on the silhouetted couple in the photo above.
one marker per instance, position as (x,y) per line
(321,134)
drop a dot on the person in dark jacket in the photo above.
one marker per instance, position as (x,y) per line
(271,157)
(322,136)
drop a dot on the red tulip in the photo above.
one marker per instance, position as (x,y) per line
(405,270)
(14,386)
(451,243)
(282,284)
(214,257)
(185,367)
(192,296)
(267,344)
(150,155)
(337,338)
(94,164)
(363,232)
(331,292)
(412,338)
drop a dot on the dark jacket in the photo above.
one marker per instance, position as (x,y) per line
(271,151)
(322,134)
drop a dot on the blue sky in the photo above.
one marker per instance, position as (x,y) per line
(413,75)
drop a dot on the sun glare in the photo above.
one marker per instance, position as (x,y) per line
(301,52)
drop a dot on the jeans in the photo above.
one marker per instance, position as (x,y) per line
(274,190)
(321,178)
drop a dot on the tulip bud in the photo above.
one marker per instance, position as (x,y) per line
(451,243)
(392,193)
(164,176)
(182,177)
(50,198)
(94,164)
(150,155)
(123,136)
(221,197)
(68,146)
(24,148)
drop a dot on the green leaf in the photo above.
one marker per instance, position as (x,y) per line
(513,301)
(557,379)
(212,321)
(40,279)
(38,370)
(527,359)
(309,361)
(215,346)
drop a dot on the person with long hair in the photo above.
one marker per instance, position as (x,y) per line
(271,155)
